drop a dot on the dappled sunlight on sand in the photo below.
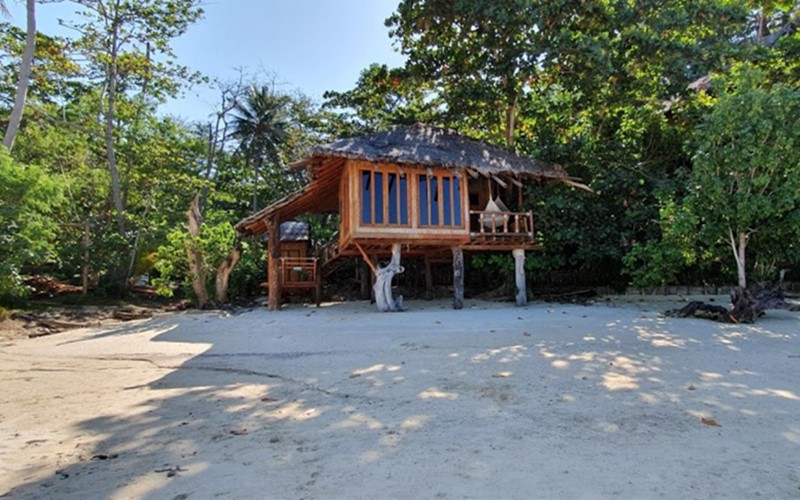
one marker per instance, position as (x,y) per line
(359,420)
(349,403)
(502,354)
(618,381)
(434,393)
(295,411)
(793,435)
(148,486)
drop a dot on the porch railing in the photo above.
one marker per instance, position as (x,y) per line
(499,224)
(299,272)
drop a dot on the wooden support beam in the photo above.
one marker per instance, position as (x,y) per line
(515,182)
(458,278)
(366,258)
(578,185)
(318,282)
(364,278)
(473,173)
(499,181)
(274,264)
(519,275)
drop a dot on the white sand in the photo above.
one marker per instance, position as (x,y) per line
(545,401)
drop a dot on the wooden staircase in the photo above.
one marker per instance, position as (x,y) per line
(330,256)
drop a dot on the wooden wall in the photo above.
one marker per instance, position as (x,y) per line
(352,226)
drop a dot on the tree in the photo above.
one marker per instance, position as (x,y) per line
(125,38)
(382,97)
(746,174)
(24,76)
(28,198)
(260,124)
(481,55)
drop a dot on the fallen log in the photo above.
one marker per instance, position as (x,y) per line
(746,306)
(63,325)
(131,315)
(699,309)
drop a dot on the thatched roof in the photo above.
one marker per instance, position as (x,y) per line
(427,146)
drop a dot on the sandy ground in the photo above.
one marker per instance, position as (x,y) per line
(545,401)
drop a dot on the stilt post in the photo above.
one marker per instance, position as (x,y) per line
(428,279)
(274,264)
(519,275)
(458,278)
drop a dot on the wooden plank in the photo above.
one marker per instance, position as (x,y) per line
(499,181)
(366,258)
(274,264)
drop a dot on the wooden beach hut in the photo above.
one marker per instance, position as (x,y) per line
(415,190)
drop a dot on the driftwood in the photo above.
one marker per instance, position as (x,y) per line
(746,306)
(383,283)
(131,315)
(45,286)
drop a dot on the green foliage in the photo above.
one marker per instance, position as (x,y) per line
(28,198)
(216,241)
(746,176)
(659,262)
(498,266)
(382,97)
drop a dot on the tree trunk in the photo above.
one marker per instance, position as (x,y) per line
(24,77)
(511,120)
(383,283)
(458,278)
(195,254)
(739,246)
(111,77)
(519,275)
(256,168)
(224,272)
(85,269)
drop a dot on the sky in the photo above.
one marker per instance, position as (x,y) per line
(306,45)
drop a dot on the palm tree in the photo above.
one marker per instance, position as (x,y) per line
(24,73)
(260,123)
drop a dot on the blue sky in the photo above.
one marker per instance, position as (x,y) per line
(307,45)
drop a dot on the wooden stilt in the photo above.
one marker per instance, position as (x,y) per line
(519,275)
(318,283)
(274,264)
(458,278)
(428,279)
(364,278)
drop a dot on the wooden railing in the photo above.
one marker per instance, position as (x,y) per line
(500,223)
(329,251)
(299,272)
